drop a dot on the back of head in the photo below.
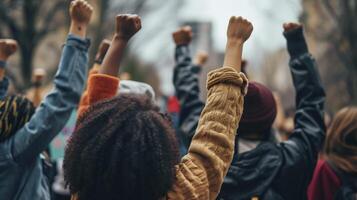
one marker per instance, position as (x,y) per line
(15,111)
(258,114)
(341,140)
(122,148)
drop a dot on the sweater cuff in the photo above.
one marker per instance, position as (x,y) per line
(296,42)
(227,75)
(102,87)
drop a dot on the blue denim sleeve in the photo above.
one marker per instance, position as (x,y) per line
(56,108)
(4,84)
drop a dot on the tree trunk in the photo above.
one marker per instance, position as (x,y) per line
(26,66)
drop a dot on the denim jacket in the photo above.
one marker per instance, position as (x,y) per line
(21,170)
(4,84)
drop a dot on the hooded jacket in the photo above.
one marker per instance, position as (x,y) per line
(271,170)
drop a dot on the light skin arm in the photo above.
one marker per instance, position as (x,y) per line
(80,12)
(201,172)
(234,47)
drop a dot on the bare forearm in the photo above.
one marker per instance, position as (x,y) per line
(233,55)
(78,29)
(111,62)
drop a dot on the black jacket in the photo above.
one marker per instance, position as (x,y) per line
(270,171)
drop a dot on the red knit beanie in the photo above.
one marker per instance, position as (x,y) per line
(259,111)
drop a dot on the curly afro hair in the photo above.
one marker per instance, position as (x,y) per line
(122,148)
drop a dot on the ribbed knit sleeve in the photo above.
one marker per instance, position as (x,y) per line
(201,172)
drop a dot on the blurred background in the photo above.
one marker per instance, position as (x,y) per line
(40,27)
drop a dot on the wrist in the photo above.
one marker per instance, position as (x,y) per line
(121,38)
(78,29)
(296,43)
(235,42)
(3,58)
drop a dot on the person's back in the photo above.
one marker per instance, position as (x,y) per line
(335,177)
(26,132)
(261,167)
(283,170)
(124,148)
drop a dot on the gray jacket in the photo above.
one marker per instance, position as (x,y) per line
(21,170)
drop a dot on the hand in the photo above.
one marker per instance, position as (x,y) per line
(103,48)
(7,48)
(80,12)
(38,75)
(127,26)
(239,29)
(201,58)
(291,26)
(183,36)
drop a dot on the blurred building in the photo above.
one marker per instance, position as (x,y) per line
(203,41)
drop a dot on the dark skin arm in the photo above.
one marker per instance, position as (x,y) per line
(126,27)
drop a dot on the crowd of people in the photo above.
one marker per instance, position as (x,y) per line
(123,146)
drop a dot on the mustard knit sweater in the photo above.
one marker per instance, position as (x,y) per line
(201,172)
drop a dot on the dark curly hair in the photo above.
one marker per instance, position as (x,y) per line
(122,148)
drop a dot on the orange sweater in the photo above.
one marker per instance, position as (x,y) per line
(201,172)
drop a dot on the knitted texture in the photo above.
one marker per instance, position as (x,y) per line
(201,172)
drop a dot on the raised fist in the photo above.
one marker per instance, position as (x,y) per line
(80,11)
(239,29)
(103,48)
(201,58)
(291,26)
(38,75)
(183,36)
(127,25)
(7,48)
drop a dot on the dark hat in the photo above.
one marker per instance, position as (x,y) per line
(259,111)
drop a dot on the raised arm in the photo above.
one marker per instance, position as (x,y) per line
(200,173)
(102,51)
(55,109)
(7,48)
(186,86)
(104,84)
(301,149)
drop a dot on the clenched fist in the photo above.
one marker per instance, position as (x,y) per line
(291,26)
(38,75)
(127,25)
(7,48)
(239,29)
(183,36)
(201,58)
(80,11)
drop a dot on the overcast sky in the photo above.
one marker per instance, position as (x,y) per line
(267,17)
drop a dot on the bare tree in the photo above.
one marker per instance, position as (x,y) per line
(29,22)
(342,34)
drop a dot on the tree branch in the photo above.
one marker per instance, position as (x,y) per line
(47,28)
